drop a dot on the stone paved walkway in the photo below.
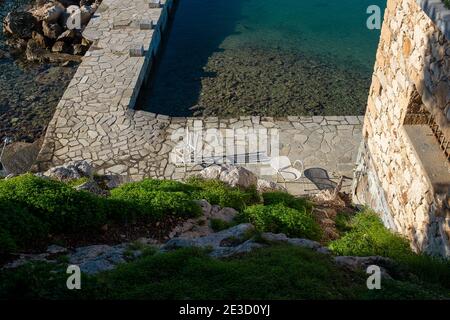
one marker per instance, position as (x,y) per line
(95,120)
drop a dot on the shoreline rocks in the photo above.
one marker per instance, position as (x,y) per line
(45,32)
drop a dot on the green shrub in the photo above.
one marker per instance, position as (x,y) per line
(219,225)
(287,199)
(219,193)
(369,237)
(54,203)
(279,218)
(446,3)
(152,199)
(18,227)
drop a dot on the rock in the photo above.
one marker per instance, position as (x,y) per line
(39,39)
(25,258)
(268,186)
(55,249)
(79,49)
(48,12)
(68,36)
(305,243)
(98,258)
(60,47)
(224,214)
(92,187)
(19,24)
(19,157)
(16,45)
(205,206)
(51,30)
(86,12)
(113,181)
(71,171)
(362,263)
(232,175)
(246,247)
(34,52)
(213,240)
(52,14)
(329,198)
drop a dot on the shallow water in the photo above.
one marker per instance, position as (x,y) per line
(29,93)
(265,57)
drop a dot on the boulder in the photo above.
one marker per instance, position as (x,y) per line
(71,171)
(214,240)
(268,186)
(79,49)
(34,52)
(224,214)
(19,157)
(16,45)
(232,175)
(20,24)
(48,12)
(98,258)
(52,30)
(362,263)
(68,36)
(55,249)
(61,47)
(298,242)
(39,39)
(92,187)
(86,13)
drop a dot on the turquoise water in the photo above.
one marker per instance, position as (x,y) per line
(266,57)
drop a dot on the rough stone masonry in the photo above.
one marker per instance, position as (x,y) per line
(397,163)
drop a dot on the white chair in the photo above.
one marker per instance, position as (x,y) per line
(185,152)
(286,170)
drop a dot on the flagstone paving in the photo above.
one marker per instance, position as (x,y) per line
(95,119)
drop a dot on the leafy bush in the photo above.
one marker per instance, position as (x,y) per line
(219,193)
(219,225)
(287,199)
(153,199)
(369,237)
(18,227)
(278,218)
(54,203)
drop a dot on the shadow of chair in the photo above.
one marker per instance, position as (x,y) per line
(320,178)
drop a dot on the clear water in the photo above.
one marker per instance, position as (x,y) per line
(29,93)
(267,57)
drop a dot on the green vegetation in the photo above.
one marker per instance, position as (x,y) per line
(54,203)
(287,199)
(31,207)
(278,218)
(446,3)
(278,272)
(368,237)
(218,193)
(219,225)
(282,212)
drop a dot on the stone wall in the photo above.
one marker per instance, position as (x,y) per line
(413,59)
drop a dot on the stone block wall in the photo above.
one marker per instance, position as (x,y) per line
(413,59)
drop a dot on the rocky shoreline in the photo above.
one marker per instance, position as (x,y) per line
(39,55)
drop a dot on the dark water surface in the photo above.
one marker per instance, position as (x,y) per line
(265,57)
(29,93)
